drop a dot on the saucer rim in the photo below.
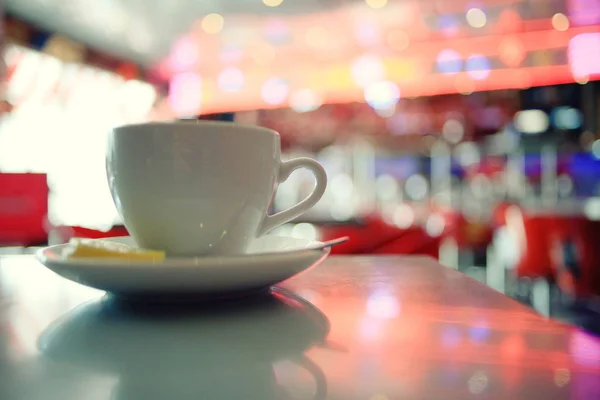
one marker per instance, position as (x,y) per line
(52,255)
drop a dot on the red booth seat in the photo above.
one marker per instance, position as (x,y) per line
(23,209)
(66,233)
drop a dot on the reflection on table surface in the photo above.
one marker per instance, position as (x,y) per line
(375,328)
(183,352)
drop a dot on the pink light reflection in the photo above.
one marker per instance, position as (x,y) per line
(383,305)
(585,349)
(451,337)
(275,91)
(184,54)
(231,79)
(584,56)
(367,33)
(371,329)
(185,93)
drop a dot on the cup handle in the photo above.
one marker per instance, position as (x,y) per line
(287,167)
(318,375)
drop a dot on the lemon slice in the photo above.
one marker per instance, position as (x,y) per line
(89,248)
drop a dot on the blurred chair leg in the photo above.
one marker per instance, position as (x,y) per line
(495,271)
(449,254)
(523,289)
(540,296)
(466,259)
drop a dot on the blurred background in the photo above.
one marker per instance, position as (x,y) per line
(463,130)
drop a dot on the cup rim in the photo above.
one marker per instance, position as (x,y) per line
(256,128)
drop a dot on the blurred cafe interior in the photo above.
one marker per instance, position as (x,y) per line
(464,131)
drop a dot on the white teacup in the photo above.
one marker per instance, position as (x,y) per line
(198,188)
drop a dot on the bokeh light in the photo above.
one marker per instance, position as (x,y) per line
(272,3)
(184,54)
(478,66)
(435,225)
(379,396)
(213,23)
(305,231)
(342,185)
(368,33)
(467,154)
(531,122)
(512,51)
(591,208)
(476,18)
(382,304)
(560,22)
(231,79)
(584,57)
(343,211)
(479,333)
(386,187)
(565,186)
(376,3)
(582,80)
(453,131)
(382,95)
(277,31)
(275,91)
(562,377)
(448,24)
(417,187)
(305,100)
(185,93)
(367,69)
(478,383)
(404,216)
(596,149)
(566,118)
(449,62)
(343,190)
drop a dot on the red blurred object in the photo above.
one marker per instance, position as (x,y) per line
(375,236)
(362,237)
(5,107)
(467,234)
(66,233)
(559,248)
(499,214)
(580,276)
(489,166)
(128,71)
(23,209)
(535,260)
(414,241)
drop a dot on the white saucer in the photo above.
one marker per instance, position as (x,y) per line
(269,260)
